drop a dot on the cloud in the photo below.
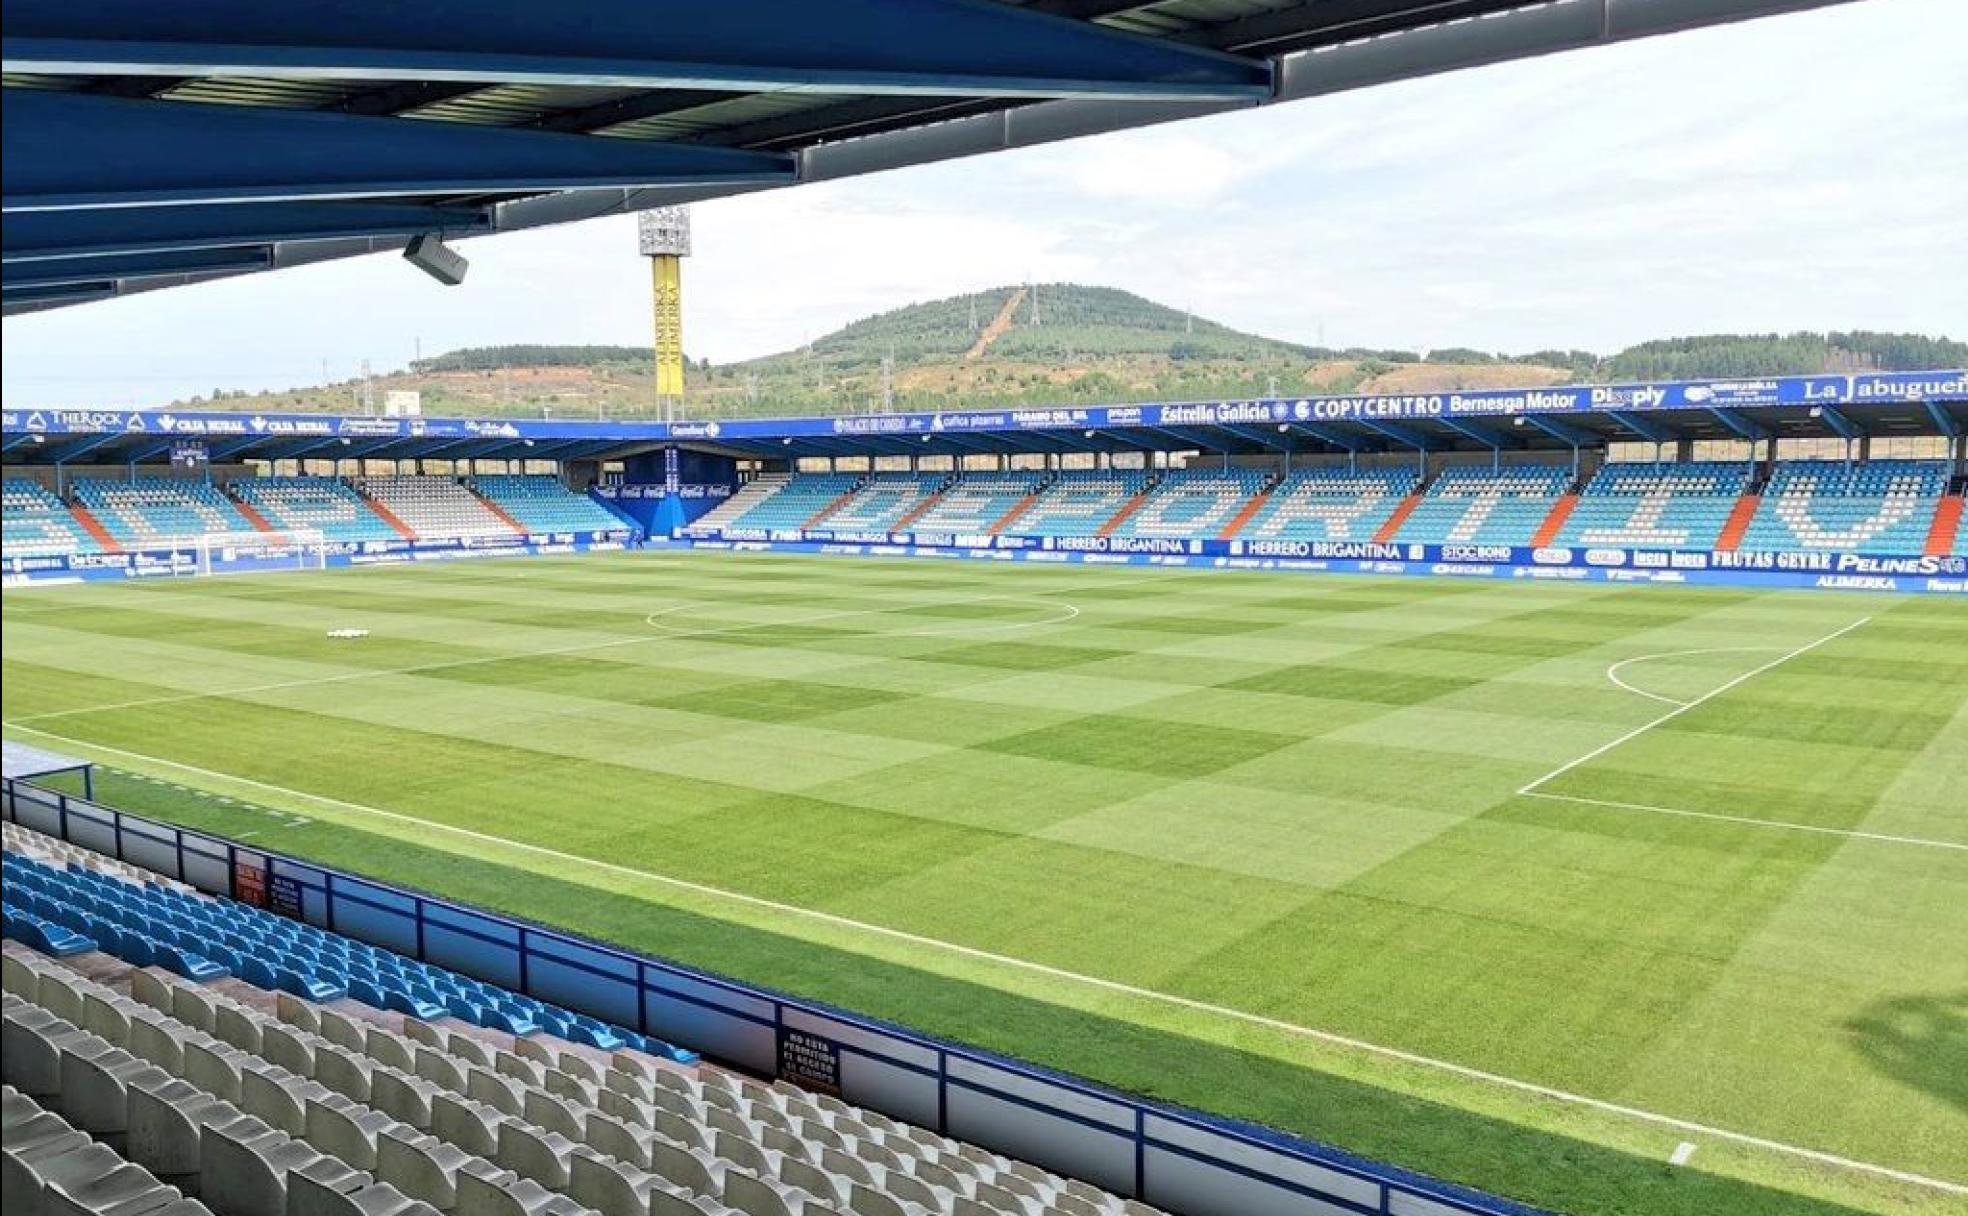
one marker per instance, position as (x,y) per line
(1799,172)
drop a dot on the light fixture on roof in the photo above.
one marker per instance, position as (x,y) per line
(428,253)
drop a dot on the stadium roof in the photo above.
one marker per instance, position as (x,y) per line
(153,144)
(1876,405)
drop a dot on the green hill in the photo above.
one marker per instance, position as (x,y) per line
(1063,344)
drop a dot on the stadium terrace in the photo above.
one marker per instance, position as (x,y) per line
(1784,481)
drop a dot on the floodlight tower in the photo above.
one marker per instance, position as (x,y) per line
(664,238)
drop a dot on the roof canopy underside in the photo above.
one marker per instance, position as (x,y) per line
(1501,435)
(151,145)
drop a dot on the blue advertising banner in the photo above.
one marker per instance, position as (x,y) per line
(1863,571)
(1791,391)
(1834,572)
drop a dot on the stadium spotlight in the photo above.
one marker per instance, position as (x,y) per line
(428,253)
(1517,421)
(345,441)
(1283,427)
(1817,411)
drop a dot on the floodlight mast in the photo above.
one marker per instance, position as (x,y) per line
(663,236)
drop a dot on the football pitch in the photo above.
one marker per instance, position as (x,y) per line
(1613,900)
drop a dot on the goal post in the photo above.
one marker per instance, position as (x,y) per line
(242,552)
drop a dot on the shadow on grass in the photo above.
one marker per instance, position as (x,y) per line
(1919,1041)
(1546,1169)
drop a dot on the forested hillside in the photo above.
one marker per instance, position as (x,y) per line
(1061,344)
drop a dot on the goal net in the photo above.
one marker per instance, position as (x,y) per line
(243,552)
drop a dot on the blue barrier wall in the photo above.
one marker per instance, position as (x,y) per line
(183,561)
(1173,1159)
(1820,570)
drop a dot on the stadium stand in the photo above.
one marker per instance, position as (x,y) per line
(1196,503)
(136,1091)
(977,501)
(1082,502)
(749,497)
(323,504)
(1961,533)
(543,504)
(800,499)
(434,507)
(1677,506)
(1883,506)
(883,502)
(147,511)
(1483,505)
(1329,504)
(37,523)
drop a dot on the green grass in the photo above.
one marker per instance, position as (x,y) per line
(1293,799)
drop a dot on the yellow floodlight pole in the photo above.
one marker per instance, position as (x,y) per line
(664,238)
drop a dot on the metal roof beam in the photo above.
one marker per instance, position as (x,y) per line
(1741,427)
(1333,437)
(630,109)
(1646,428)
(68,150)
(1406,436)
(1838,421)
(1943,419)
(846,46)
(97,267)
(33,235)
(1493,440)
(1565,433)
(64,293)
(1275,440)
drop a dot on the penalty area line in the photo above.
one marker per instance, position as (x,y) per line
(1533,790)
(1680,709)
(1079,979)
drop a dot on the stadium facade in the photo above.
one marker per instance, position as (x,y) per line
(1836,481)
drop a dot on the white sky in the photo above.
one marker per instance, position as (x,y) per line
(1805,172)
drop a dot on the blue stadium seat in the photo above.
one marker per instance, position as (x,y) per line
(1330,504)
(54,908)
(1080,502)
(1667,505)
(543,504)
(322,504)
(1878,506)
(1486,505)
(36,523)
(151,511)
(789,504)
(1194,504)
(977,501)
(882,502)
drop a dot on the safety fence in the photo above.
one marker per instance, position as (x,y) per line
(1170,1158)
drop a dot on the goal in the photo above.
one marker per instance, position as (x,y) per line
(246,552)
